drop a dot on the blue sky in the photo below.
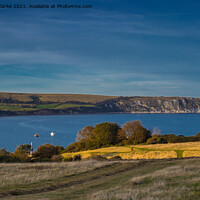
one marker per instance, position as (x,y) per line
(119,47)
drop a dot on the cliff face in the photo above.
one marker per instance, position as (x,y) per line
(123,105)
(153,105)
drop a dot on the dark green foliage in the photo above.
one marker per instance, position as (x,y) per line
(198,135)
(60,149)
(121,137)
(171,138)
(97,157)
(22,155)
(77,157)
(45,152)
(69,159)
(116,158)
(105,134)
(76,146)
(24,147)
(6,158)
(157,139)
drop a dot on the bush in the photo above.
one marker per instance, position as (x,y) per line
(97,157)
(7,158)
(45,152)
(157,139)
(76,146)
(56,158)
(77,157)
(116,158)
(68,159)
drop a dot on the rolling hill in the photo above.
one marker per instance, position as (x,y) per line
(60,104)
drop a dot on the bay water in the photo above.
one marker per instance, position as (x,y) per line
(21,129)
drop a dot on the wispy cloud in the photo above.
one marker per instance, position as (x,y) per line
(121,51)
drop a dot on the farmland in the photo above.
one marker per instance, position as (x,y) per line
(155,151)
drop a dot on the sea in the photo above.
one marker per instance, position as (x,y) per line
(21,129)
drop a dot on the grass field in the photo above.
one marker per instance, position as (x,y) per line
(156,151)
(22,107)
(18,102)
(58,98)
(107,180)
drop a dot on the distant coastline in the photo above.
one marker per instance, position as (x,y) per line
(25,104)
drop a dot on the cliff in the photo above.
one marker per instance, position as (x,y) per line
(38,104)
(152,105)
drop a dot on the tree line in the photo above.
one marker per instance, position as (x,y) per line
(131,133)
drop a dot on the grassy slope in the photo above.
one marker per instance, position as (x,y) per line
(50,101)
(161,179)
(156,151)
(59,98)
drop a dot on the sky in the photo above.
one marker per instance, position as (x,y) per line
(117,47)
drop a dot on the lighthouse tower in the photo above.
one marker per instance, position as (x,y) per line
(31,151)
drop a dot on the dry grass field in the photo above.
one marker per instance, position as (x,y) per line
(12,174)
(171,179)
(156,151)
(181,181)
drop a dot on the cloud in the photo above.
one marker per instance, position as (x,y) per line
(101,50)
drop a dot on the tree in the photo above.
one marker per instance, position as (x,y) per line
(197,135)
(85,133)
(22,152)
(25,147)
(121,137)
(135,132)
(156,131)
(45,151)
(60,149)
(105,134)
(157,139)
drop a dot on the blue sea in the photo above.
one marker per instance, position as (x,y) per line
(21,129)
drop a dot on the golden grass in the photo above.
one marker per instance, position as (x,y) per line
(173,146)
(149,155)
(191,154)
(156,151)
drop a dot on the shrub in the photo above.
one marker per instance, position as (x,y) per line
(157,139)
(116,158)
(56,158)
(68,159)
(76,146)
(7,158)
(77,157)
(97,157)
(45,152)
